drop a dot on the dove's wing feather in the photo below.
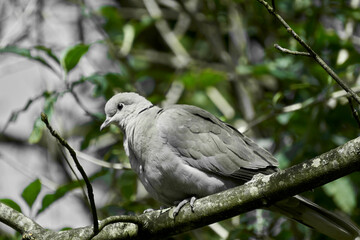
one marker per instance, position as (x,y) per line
(206,143)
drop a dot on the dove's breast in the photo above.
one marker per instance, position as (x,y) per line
(163,172)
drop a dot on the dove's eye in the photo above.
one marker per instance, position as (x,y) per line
(120,106)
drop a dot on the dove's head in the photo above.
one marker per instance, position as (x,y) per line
(123,107)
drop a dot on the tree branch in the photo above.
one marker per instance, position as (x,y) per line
(260,192)
(354,111)
(18,221)
(312,53)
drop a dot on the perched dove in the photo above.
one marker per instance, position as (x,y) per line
(183,152)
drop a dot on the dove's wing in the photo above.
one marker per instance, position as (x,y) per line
(206,143)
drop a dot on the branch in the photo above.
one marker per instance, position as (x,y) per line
(313,54)
(18,221)
(284,50)
(70,88)
(261,192)
(14,115)
(354,111)
(79,167)
(298,106)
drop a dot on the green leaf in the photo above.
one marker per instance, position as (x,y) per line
(113,22)
(39,126)
(50,100)
(72,55)
(342,193)
(277,97)
(49,199)
(59,193)
(49,52)
(37,131)
(11,204)
(28,53)
(31,192)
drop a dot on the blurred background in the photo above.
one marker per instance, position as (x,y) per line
(66,58)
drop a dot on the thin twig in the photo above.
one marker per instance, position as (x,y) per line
(354,111)
(284,50)
(70,88)
(273,5)
(14,114)
(81,170)
(91,159)
(298,106)
(171,60)
(23,170)
(76,176)
(81,105)
(313,54)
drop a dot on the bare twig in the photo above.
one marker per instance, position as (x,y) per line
(313,54)
(91,159)
(31,175)
(14,115)
(298,106)
(354,111)
(171,60)
(76,176)
(93,116)
(284,50)
(273,4)
(81,170)
(70,88)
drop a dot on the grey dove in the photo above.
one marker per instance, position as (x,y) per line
(183,152)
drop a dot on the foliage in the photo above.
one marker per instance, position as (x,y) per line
(31,192)
(227,45)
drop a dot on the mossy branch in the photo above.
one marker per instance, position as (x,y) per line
(261,192)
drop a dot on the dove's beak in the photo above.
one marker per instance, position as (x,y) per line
(105,123)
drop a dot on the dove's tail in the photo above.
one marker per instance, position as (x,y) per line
(314,216)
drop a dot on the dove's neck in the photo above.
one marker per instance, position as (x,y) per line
(132,120)
(137,125)
(145,109)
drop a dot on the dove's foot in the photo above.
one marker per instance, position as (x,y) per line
(148,210)
(151,209)
(180,205)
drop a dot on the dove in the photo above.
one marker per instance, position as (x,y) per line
(183,152)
